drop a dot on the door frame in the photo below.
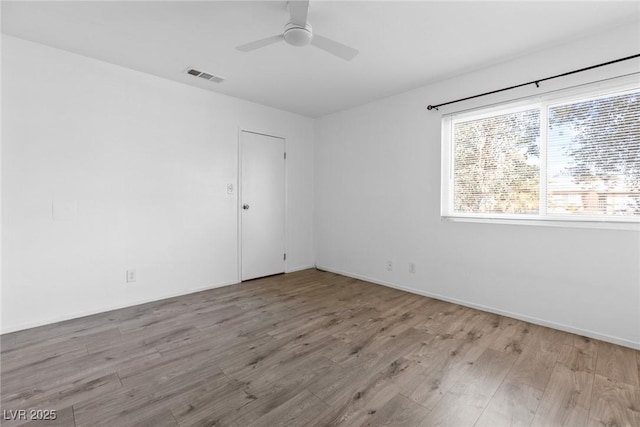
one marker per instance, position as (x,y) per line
(272,134)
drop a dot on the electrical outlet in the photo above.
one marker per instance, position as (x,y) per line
(412,267)
(389,266)
(131,276)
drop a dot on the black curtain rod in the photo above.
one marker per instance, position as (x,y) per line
(535,82)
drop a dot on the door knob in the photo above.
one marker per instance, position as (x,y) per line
(245,207)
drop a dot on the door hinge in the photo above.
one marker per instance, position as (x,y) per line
(285,257)
(285,155)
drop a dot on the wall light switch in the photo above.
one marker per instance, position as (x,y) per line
(230,189)
(131,276)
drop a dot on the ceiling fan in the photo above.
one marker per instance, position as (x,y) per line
(298,32)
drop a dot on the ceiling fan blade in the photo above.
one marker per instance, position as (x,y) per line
(338,49)
(259,43)
(299,9)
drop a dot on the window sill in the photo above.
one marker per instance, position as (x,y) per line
(563,223)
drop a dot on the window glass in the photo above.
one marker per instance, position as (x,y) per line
(497,164)
(565,157)
(594,157)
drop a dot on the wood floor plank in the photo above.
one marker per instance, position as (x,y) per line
(7,341)
(370,396)
(360,408)
(399,411)
(566,399)
(277,388)
(19,364)
(614,403)
(617,363)
(587,345)
(516,401)
(514,404)
(298,411)
(210,405)
(131,405)
(161,370)
(638,363)
(464,402)
(513,338)
(63,395)
(375,350)
(537,361)
(251,411)
(576,359)
(314,348)
(159,419)
(445,360)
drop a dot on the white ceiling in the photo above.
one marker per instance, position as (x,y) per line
(402,45)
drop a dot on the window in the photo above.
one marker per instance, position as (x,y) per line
(569,156)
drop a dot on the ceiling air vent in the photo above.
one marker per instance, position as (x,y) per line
(203,75)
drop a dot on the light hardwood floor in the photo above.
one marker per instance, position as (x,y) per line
(315,349)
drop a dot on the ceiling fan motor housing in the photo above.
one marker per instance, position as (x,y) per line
(297,35)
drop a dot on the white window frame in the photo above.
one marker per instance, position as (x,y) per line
(543,102)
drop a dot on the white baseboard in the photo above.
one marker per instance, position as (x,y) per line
(299,268)
(523,317)
(28,325)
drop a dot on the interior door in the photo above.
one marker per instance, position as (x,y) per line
(262,205)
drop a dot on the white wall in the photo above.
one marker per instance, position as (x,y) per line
(146,162)
(377,190)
